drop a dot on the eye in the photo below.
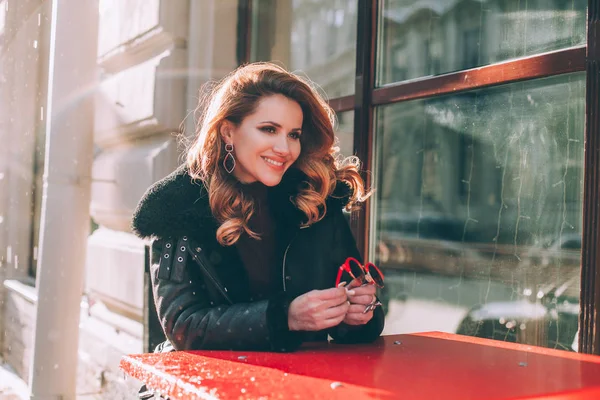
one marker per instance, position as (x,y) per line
(268,129)
(295,135)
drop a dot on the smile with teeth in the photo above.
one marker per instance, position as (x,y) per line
(273,162)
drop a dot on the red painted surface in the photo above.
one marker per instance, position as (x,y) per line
(421,366)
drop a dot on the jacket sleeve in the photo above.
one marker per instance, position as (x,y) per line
(344,333)
(191,320)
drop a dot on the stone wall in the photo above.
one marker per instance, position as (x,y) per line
(153,58)
(101,345)
(24,47)
(19,312)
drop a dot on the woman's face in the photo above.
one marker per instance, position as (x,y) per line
(267,142)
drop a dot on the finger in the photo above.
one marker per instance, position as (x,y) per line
(355,283)
(365,290)
(338,301)
(337,321)
(356,309)
(322,299)
(326,300)
(334,312)
(329,294)
(334,321)
(364,300)
(355,319)
(360,318)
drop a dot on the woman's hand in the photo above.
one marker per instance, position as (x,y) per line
(318,309)
(360,297)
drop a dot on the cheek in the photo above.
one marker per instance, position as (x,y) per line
(296,149)
(248,148)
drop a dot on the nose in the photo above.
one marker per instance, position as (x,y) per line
(281,145)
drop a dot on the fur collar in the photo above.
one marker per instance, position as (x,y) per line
(177,206)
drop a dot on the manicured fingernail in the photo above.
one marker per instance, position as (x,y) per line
(351,292)
(342,284)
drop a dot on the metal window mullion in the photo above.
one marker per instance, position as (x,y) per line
(589,339)
(366,37)
(533,67)
(244,31)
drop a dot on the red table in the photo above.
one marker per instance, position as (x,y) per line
(413,366)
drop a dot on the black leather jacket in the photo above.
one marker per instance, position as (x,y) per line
(201,288)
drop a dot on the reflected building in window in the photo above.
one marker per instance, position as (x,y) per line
(312,38)
(423,38)
(485,185)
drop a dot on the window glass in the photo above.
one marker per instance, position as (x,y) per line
(316,38)
(424,38)
(345,132)
(478,210)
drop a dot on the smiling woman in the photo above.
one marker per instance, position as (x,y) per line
(256,102)
(232,266)
(267,142)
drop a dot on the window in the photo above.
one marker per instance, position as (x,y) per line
(345,133)
(457,254)
(471,34)
(317,39)
(471,118)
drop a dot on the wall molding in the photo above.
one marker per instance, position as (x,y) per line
(24,287)
(139,49)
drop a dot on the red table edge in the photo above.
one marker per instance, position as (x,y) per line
(177,386)
(511,346)
(579,394)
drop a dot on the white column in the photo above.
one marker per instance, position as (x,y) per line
(65,208)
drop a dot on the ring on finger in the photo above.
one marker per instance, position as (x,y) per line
(374,301)
(369,308)
(372,306)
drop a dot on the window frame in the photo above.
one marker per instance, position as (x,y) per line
(589,318)
(367,97)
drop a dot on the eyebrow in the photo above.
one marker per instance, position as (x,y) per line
(278,125)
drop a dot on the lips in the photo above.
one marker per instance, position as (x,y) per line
(273,162)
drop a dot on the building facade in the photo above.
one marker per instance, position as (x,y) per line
(476,121)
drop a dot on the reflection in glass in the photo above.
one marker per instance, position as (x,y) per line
(345,133)
(423,38)
(478,211)
(316,38)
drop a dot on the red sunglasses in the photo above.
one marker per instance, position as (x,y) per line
(367,274)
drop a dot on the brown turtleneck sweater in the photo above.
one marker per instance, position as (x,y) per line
(258,256)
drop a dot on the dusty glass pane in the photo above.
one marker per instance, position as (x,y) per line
(478,210)
(345,132)
(315,38)
(424,38)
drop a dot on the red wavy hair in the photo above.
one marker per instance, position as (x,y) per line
(235,97)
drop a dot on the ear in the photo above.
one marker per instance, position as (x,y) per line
(226,131)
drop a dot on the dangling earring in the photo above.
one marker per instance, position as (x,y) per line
(229,160)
